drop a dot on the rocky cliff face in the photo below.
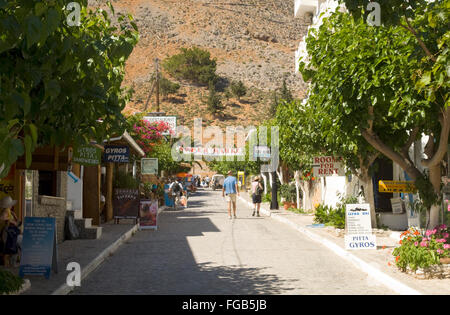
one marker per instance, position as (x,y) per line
(253,41)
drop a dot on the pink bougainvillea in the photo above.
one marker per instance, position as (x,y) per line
(149,134)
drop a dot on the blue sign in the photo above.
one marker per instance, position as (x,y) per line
(38,247)
(117,153)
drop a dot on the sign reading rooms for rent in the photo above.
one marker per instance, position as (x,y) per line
(327,166)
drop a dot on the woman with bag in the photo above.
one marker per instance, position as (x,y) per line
(257,191)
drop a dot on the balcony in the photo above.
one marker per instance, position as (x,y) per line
(303,7)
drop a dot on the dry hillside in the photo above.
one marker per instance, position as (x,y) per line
(253,41)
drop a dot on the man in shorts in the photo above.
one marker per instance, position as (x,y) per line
(230,189)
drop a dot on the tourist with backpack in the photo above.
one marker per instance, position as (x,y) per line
(257,191)
(175,192)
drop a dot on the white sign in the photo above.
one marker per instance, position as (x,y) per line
(170,120)
(360,241)
(359,227)
(327,166)
(358,219)
(149,166)
(212,151)
(397,205)
(261,152)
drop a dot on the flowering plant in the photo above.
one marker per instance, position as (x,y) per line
(149,134)
(421,251)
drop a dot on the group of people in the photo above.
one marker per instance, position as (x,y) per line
(230,191)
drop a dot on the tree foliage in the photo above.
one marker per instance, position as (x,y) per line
(193,64)
(59,84)
(364,78)
(238,89)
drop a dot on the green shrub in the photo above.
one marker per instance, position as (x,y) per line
(238,89)
(333,216)
(192,64)
(214,103)
(288,192)
(125,180)
(168,87)
(9,282)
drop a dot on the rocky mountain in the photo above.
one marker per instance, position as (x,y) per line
(253,41)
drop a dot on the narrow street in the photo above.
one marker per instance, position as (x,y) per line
(200,251)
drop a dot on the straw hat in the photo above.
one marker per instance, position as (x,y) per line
(7,202)
(256,178)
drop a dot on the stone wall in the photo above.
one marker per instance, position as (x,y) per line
(52,206)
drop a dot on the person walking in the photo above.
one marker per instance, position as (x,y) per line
(257,190)
(230,189)
(175,192)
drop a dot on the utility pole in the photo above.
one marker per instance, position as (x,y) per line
(157,83)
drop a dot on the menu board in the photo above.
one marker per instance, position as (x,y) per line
(39,253)
(126,203)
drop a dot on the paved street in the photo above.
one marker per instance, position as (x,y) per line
(200,251)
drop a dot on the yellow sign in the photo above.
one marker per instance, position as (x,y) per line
(392,186)
(7,185)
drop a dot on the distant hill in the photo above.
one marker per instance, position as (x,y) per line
(253,40)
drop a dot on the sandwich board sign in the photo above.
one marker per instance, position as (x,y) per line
(359,227)
(39,254)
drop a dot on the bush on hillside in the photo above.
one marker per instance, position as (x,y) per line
(193,64)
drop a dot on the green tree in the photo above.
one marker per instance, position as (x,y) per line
(193,64)
(214,102)
(286,94)
(59,84)
(369,91)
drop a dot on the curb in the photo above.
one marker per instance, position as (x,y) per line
(65,289)
(376,273)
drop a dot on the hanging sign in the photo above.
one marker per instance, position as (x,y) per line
(261,151)
(392,186)
(87,155)
(149,166)
(327,166)
(39,254)
(117,154)
(212,151)
(7,185)
(359,227)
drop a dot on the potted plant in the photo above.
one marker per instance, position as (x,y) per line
(289,193)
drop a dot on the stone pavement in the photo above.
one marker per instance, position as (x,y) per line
(378,264)
(88,253)
(198,251)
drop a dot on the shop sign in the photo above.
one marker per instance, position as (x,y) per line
(117,154)
(261,151)
(7,185)
(87,155)
(359,227)
(39,254)
(149,166)
(327,166)
(126,203)
(392,186)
